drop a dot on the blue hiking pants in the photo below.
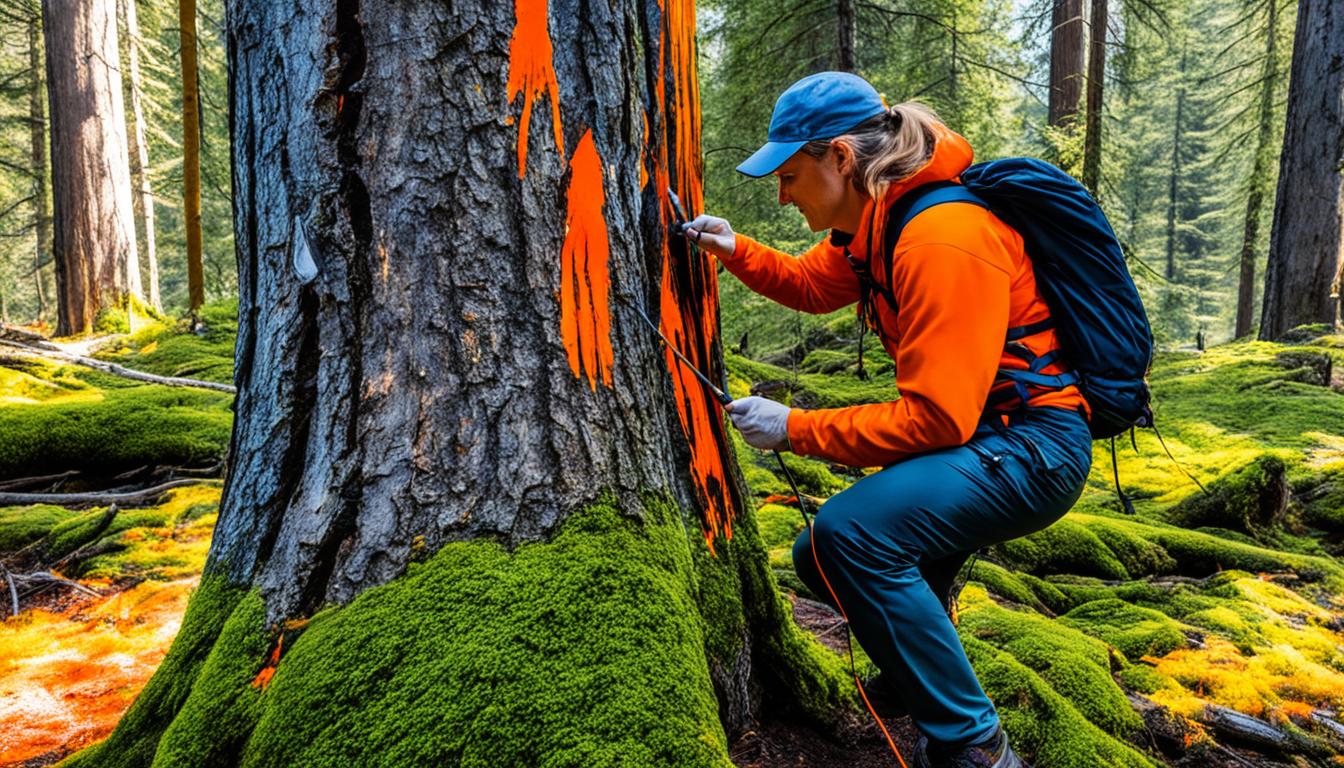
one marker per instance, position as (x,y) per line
(883,541)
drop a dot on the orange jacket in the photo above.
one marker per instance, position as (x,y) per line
(960,278)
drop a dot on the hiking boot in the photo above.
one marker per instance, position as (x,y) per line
(882,694)
(993,752)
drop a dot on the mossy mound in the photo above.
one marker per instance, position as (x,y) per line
(1134,631)
(171,348)
(103,424)
(1051,684)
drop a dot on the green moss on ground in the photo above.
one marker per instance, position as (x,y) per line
(166,541)
(1076,666)
(1134,631)
(107,424)
(21,526)
(1052,687)
(1251,500)
(170,348)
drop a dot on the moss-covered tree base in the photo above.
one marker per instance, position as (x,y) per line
(587,650)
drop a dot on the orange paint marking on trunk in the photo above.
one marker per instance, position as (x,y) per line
(689,305)
(532,71)
(585,281)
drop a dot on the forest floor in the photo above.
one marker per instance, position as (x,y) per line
(1204,629)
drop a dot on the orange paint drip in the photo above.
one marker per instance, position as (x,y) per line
(585,281)
(532,71)
(263,677)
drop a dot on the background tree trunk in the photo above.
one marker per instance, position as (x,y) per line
(191,157)
(37,116)
(1173,179)
(139,153)
(1096,81)
(1302,275)
(439,360)
(844,44)
(1259,174)
(94,227)
(1066,61)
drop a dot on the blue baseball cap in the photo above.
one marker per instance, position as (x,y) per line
(820,106)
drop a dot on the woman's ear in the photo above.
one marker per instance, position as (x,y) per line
(844,156)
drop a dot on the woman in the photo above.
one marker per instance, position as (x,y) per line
(968,460)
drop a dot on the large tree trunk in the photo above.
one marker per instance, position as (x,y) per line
(1066,61)
(144,195)
(1096,80)
(513,520)
(1259,173)
(37,116)
(95,229)
(1302,277)
(191,156)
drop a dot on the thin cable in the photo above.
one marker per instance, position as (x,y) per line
(849,643)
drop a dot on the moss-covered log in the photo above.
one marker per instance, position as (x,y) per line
(472,516)
(1252,500)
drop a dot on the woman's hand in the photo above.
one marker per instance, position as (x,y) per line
(712,234)
(764,423)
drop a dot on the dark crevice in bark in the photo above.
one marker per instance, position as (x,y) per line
(302,401)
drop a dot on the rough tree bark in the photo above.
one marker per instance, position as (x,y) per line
(1259,173)
(1302,276)
(91,184)
(457,447)
(139,152)
(1066,61)
(37,116)
(1096,81)
(191,156)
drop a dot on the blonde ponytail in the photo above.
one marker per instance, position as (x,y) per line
(888,147)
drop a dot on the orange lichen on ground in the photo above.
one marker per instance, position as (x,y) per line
(585,283)
(532,71)
(66,679)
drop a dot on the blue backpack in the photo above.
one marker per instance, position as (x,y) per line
(1081,273)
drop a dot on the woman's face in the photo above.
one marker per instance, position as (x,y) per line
(819,188)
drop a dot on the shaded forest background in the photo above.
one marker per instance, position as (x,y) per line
(1192,109)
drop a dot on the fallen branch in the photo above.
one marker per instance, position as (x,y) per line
(43,352)
(47,578)
(37,480)
(129,499)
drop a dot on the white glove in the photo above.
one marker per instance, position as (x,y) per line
(764,423)
(712,234)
